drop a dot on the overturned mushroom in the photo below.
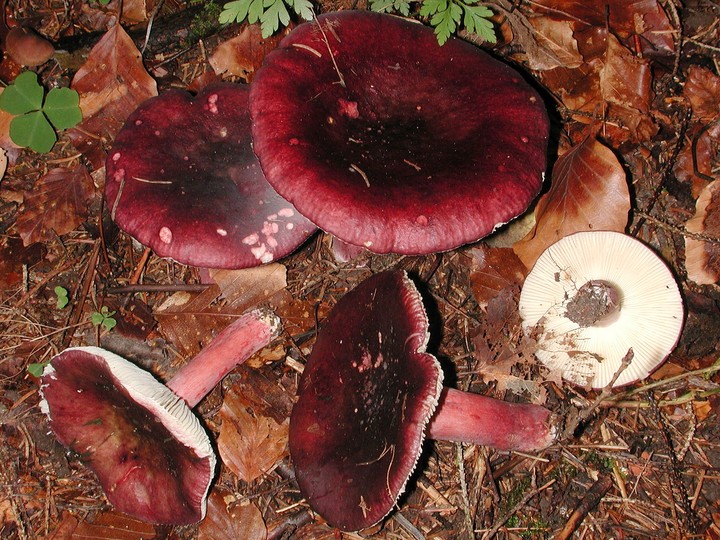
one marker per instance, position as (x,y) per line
(369,391)
(182,178)
(150,453)
(595,298)
(396,144)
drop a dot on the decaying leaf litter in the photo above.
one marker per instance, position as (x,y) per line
(634,92)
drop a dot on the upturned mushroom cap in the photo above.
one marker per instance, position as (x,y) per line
(593,296)
(182,178)
(390,141)
(147,448)
(364,399)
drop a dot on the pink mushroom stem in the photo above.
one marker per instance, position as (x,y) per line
(472,418)
(230,348)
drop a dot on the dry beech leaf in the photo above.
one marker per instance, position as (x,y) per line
(696,162)
(493,270)
(645,18)
(111,83)
(57,202)
(250,443)
(537,55)
(557,38)
(612,83)
(242,55)
(625,79)
(228,520)
(588,191)
(702,90)
(702,259)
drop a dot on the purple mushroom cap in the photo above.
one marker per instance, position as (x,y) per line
(147,448)
(182,179)
(364,400)
(396,143)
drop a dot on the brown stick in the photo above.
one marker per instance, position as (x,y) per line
(591,499)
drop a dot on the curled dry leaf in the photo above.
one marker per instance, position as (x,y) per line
(57,202)
(228,519)
(111,83)
(588,191)
(702,258)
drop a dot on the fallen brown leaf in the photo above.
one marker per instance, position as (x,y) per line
(702,90)
(242,55)
(702,258)
(589,191)
(228,519)
(250,444)
(58,202)
(494,270)
(111,84)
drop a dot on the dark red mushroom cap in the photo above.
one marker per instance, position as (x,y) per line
(182,179)
(147,448)
(396,143)
(364,399)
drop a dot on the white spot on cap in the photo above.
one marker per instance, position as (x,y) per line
(251,239)
(138,122)
(212,103)
(116,156)
(286,212)
(223,132)
(289,226)
(524,139)
(165,235)
(222,232)
(421,220)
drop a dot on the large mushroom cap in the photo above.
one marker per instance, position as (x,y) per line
(364,399)
(147,448)
(591,297)
(182,178)
(396,143)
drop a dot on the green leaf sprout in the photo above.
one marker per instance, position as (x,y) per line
(103,318)
(36,368)
(36,119)
(62,297)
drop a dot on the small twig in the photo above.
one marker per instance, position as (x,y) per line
(361,173)
(605,394)
(158,288)
(459,458)
(591,499)
(500,522)
(341,79)
(87,283)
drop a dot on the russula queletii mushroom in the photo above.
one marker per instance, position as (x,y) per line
(389,141)
(591,298)
(149,451)
(182,179)
(369,394)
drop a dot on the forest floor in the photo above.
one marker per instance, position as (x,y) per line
(634,97)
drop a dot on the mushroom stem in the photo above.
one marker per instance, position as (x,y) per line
(230,348)
(472,418)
